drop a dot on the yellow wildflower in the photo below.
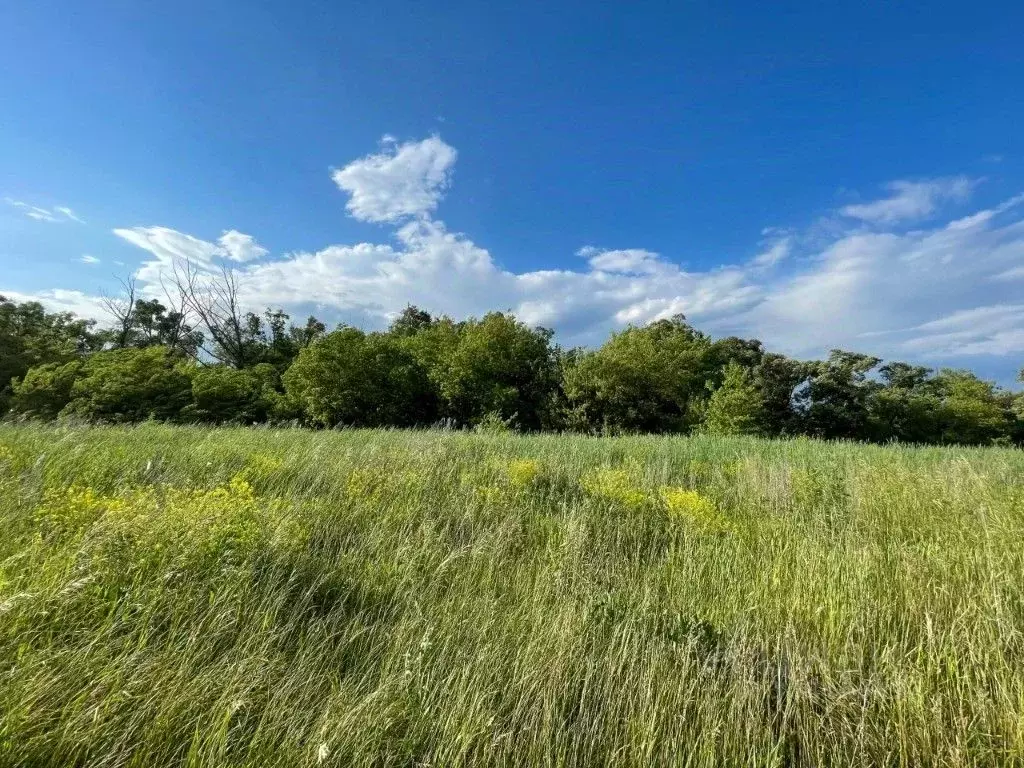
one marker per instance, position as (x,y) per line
(614,485)
(689,506)
(523,472)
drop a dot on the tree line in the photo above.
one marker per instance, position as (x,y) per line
(201,359)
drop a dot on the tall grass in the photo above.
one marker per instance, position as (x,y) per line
(230,597)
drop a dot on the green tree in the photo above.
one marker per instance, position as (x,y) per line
(131,385)
(906,407)
(223,394)
(736,407)
(138,322)
(972,412)
(777,379)
(834,400)
(649,379)
(357,379)
(1017,407)
(114,385)
(31,336)
(411,321)
(45,389)
(498,366)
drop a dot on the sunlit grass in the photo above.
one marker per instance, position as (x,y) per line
(173,596)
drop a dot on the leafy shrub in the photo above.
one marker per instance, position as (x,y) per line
(357,379)
(221,394)
(46,389)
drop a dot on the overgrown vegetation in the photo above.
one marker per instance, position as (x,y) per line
(260,597)
(667,377)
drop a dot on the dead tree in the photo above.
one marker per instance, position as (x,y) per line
(122,311)
(212,298)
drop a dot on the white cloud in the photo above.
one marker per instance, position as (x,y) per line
(876,291)
(240,247)
(60,300)
(400,182)
(911,200)
(775,253)
(1014,273)
(880,291)
(934,293)
(170,246)
(55,216)
(628,261)
(991,330)
(39,214)
(87,259)
(69,213)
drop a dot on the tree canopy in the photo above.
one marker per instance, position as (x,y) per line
(205,360)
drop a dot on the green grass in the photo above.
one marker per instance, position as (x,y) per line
(230,597)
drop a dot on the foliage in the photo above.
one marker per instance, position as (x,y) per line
(31,336)
(46,389)
(498,365)
(736,407)
(834,401)
(145,323)
(492,374)
(221,394)
(130,385)
(641,380)
(971,411)
(356,379)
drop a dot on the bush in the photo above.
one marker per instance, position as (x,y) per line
(221,394)
(46,389)
(131,385)
(358,379)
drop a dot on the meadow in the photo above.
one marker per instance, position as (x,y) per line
(176,596)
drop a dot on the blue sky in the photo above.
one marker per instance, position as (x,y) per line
(815,175)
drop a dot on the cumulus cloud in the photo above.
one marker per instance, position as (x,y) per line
(240,247)
(880,291)
(938,292)
(54,216)
(402,181)
(911,200)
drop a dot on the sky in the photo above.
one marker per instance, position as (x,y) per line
(813,175)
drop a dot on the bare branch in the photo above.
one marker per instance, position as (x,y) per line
(121,309)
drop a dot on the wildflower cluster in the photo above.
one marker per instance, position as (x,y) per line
(694,509)
(614,485)
(523,472)
(495,481)
(177,527)
(10,460)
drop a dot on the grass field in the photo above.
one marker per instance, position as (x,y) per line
(230,597)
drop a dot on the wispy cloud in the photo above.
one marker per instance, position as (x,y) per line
(911,200)
(69,213)
(88,259)
(53,215)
